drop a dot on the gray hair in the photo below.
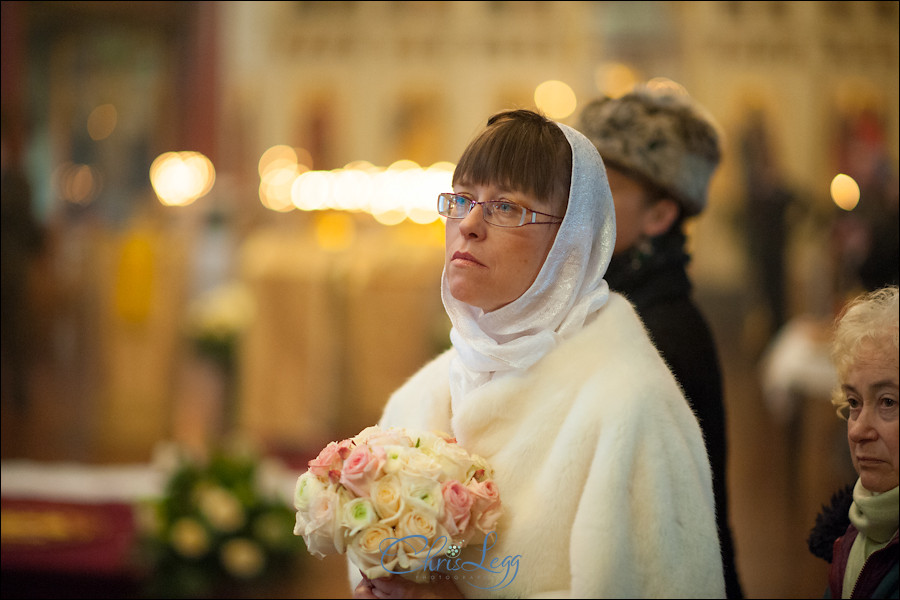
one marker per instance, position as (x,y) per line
(870,318)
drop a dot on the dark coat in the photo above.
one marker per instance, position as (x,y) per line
(657,283)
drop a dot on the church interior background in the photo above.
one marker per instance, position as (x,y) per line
(292,283)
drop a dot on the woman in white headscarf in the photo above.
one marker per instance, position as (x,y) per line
(600,463)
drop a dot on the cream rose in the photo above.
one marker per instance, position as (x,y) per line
(387,497)
(455,462)
(376,436)
(365,550)
(419,463)
(417,531)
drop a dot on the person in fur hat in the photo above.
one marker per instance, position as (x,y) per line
(602,474)
(857,533)
(660,150)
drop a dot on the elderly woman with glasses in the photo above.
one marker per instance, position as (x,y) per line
(600,463)
(864,518)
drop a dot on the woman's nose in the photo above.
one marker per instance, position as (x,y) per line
(473,223)
(863,426)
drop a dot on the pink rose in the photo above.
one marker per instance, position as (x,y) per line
(361,468)
(457,506)
(328,462)
(486,508)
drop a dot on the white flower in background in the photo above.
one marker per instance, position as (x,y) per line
(221,508)
(217,320)
(217,505)
(274,479)
(269,529)
(242,558)
(223,311)
(189,538)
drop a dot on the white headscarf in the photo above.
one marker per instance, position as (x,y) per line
(568,289)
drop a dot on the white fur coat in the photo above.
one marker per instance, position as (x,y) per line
(601,467)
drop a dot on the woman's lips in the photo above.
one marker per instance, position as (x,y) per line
(466,257)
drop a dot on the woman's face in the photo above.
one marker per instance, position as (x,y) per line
(489,266)
(632,209)
(871,388)
(638,216)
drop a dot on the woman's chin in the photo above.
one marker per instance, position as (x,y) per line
(876,483)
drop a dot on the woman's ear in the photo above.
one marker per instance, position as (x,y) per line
(659,217)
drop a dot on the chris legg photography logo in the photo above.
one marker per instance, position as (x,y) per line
(452,565)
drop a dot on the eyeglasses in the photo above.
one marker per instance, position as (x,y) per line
(501,213)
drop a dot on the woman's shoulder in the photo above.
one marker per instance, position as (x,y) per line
(615,338)
(613,361)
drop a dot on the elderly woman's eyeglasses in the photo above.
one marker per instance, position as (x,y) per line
(501,213)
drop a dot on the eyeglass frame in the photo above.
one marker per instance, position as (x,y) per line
(525,211)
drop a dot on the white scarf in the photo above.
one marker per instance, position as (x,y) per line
(568,289)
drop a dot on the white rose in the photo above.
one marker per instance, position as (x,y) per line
(308,487)
(320,524)
(422,493)
(394,458)
(356,514)
(424,440)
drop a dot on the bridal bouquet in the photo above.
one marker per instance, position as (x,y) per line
(395,501)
